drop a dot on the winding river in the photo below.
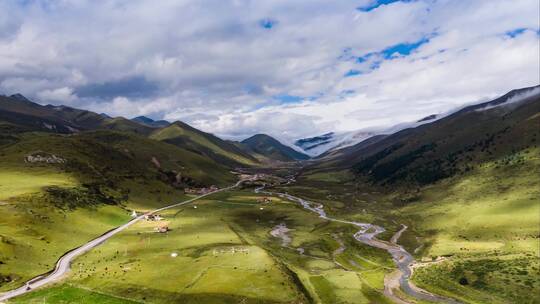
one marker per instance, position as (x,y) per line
(367,235)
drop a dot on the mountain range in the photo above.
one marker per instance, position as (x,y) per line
(445,146)
(21,115)
(329,143)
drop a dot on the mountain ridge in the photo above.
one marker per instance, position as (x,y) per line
(150,122)
(443,147)
(270,147)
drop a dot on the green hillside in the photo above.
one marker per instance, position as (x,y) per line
(269,147)
(486,224)
(125,125)
(183,135)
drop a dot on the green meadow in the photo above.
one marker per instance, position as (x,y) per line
(222,252)
(35,230)
(16,182)
(34,234)
(66,294)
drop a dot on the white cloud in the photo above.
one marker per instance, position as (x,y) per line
(214,66)
(62,95)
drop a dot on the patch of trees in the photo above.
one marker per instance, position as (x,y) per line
(405,167)
(87,195)
(387,169)
(177,179)
(369,162)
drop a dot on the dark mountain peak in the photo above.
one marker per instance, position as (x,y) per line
(150,122)
(20,97)
(428,118)
(143,119)
(260,136)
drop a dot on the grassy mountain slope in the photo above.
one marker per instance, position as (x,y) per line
(271,148)
(486,225)
(126,125)
(100,154)
(61,119)
(446,147)
(261,158)
(83,119)
(183,135)
(29,116)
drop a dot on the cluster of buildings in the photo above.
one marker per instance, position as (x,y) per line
(153,217)
(264,200)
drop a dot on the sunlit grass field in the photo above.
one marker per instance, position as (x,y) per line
(18,181)
(222,252)
(34,234)
(66,294)
(487,224)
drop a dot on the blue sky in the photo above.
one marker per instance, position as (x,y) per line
(288,99)
(267,23)
(375,4)
(404,48)
(516,32)
(288,68)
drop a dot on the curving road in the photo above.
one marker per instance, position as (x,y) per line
(367,235)
(62,266)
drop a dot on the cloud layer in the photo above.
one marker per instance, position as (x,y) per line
(287,68)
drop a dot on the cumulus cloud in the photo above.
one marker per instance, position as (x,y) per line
(63,95)
(233,67)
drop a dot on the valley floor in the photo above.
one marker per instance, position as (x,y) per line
(475,237)
(222,252)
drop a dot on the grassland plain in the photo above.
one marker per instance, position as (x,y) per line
(222,252)
(67,294)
